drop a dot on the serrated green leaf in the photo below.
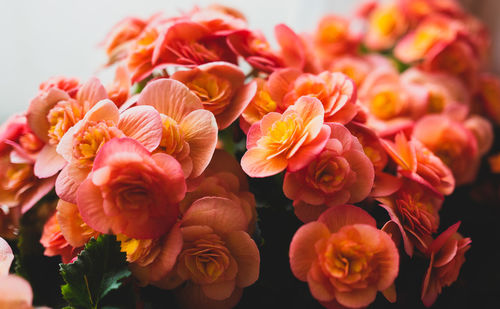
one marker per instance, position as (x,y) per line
(99,269)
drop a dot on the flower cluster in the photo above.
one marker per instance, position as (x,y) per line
(395,115)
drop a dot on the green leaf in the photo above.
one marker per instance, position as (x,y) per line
(99,269)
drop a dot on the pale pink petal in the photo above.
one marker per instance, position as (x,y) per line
(219,290)
(245,252)
(91,92)
(170,97)
(254,133)
(238,104)
(307,153)
(142,123)
(15,292)
(357,298)
(69,180)
(6,257)
(338,216)
(311,112)
(36,193)
(255,163)
(48,162)
(65,145)
(302,248)
(39,109)
(200,132)
(222,214)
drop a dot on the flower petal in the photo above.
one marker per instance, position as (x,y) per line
(200,132)
(39,109)
(142,123)
(219,290)
(338,216)
(6,257)
(91,92)
(48,162)
(245,252)
(69,180)
(255,163)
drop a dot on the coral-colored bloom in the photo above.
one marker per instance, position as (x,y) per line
(19,187)
(103,122)
(125,193)
(344,258)
(189,131)
(139,61)
(447,255)
(220,87)
(218,258)
(417,162)
(54,242)
(291,139)
(261,104)
(414,208)
(336,91)
(385,24)
(52,113)
(341,173)
(453,143)
(224,178)
(255,49)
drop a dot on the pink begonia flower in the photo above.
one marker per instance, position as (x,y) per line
(189,131)
(344,258)
(103,122)
(221,89)
(54,241)
(386,23)
(261,104)
(218,257)
(447,255)
(125,192)
(336,91)
(224,178)
(418,163)
(76,232)
(52,113)
(19,187)
(453,143)
(434,92)
(15,291)
(289,140)
(255,49)
(341,173)
(415,210)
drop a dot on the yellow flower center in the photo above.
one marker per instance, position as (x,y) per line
(214,92)
(436,103)
(172,140)
(16,176)
(385,105)
(140,251)
(283,135)
(61,117)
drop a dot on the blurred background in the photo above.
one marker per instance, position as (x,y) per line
(41,39)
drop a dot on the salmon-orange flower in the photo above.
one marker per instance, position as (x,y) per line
(189,131)
(341,173)
(125,193)
(344,258)
(447,255)
(414,208)
(54,242)
(221,89)
(218,257)
(386,24)
(291,139)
